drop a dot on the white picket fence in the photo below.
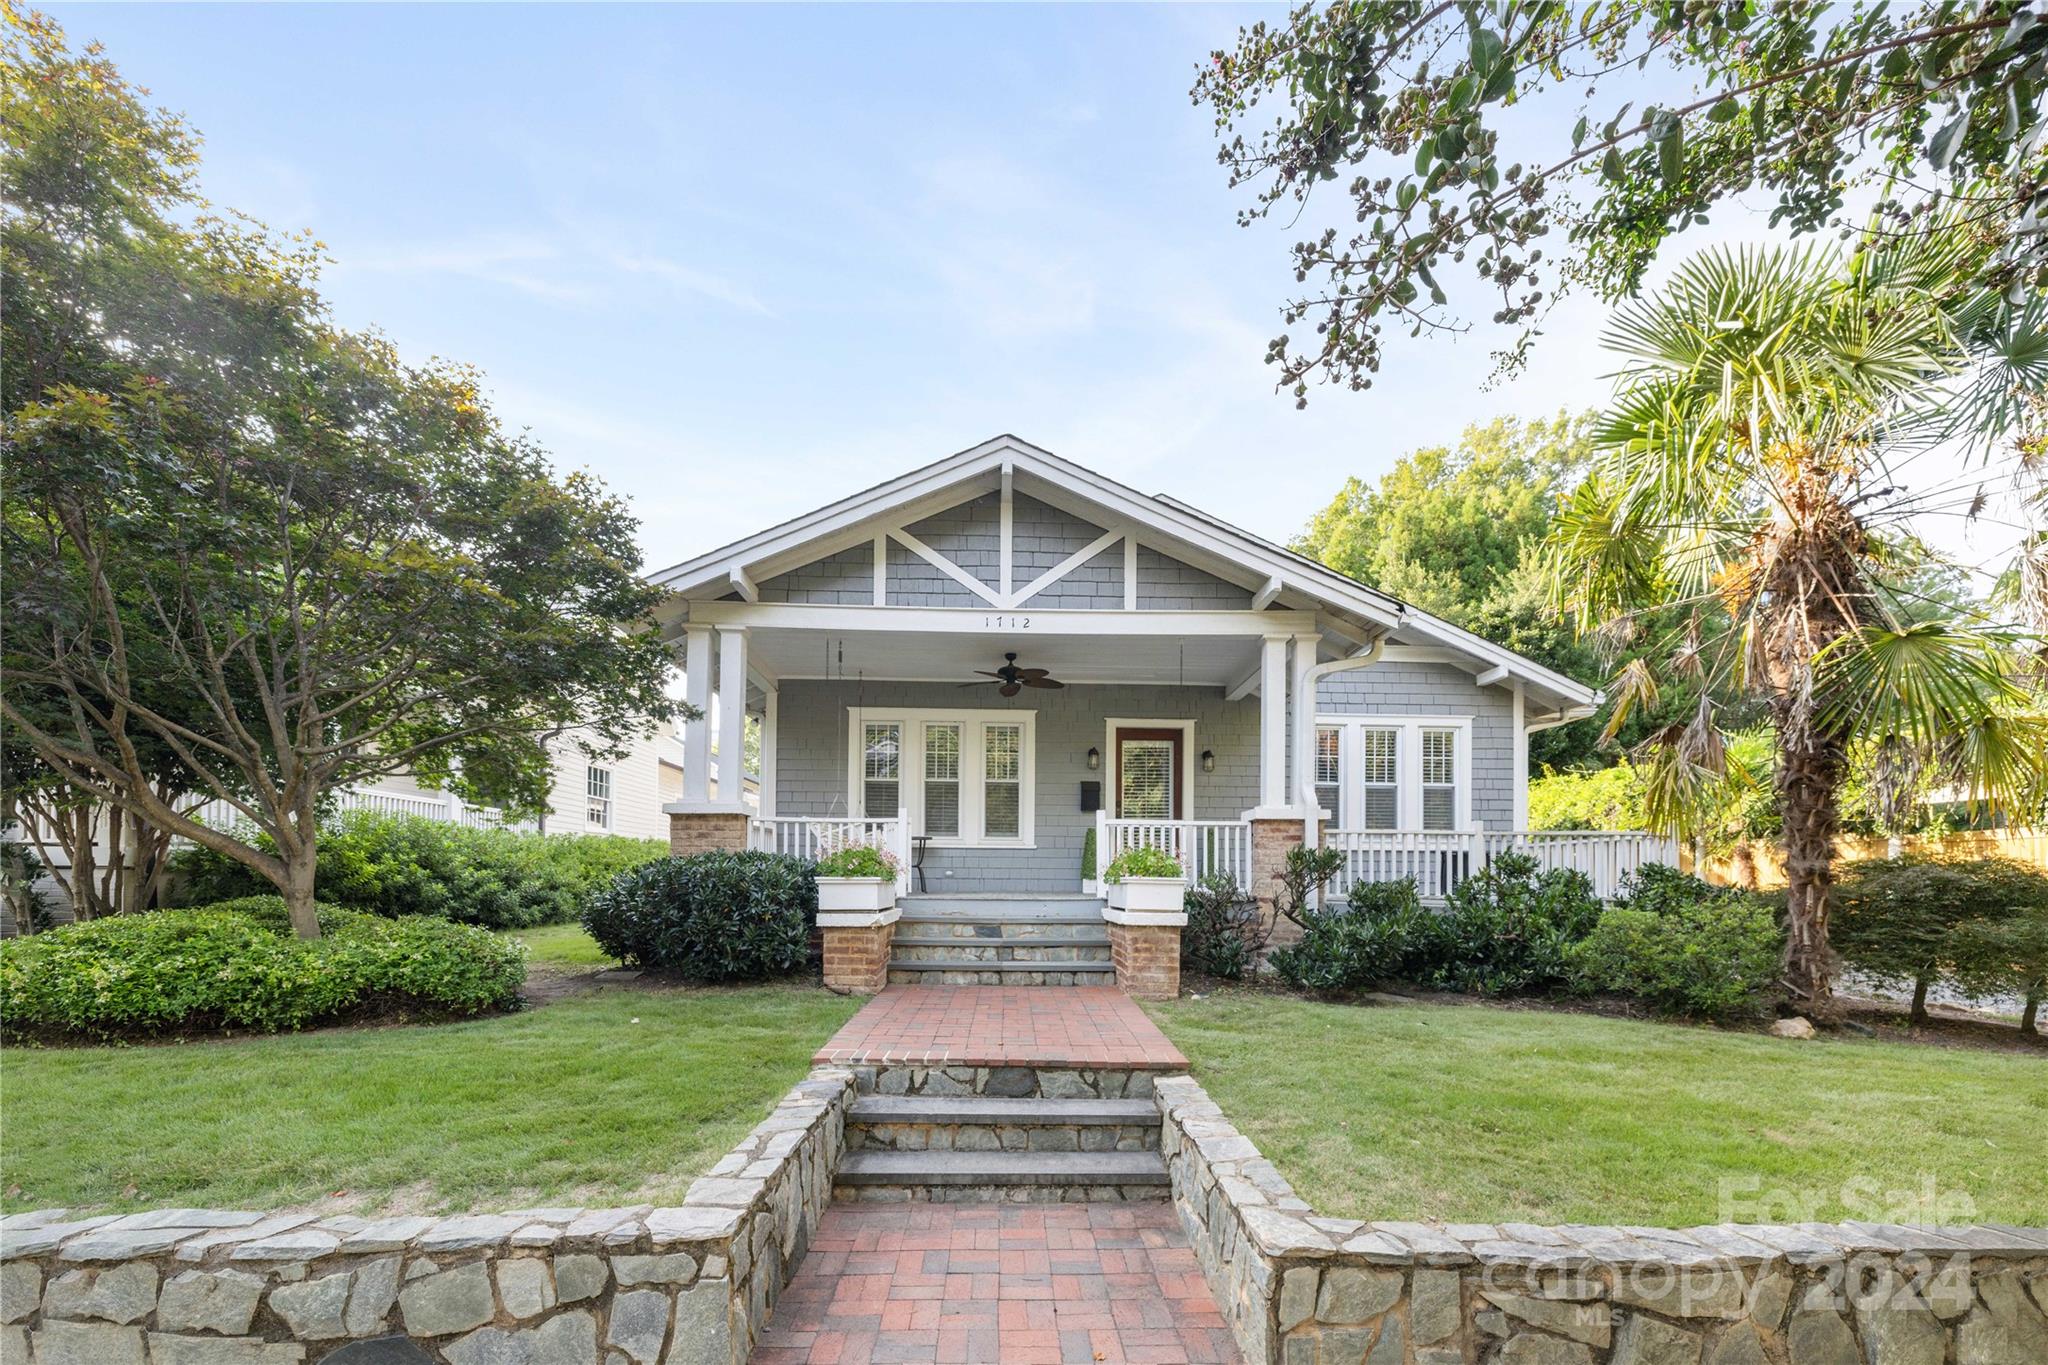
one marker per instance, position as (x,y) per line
(814,836)
(1438,860)
(1204,848)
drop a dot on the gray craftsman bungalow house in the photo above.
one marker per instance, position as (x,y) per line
(981,661)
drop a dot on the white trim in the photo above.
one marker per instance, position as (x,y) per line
(1273,723)
(976,621)
(771,702)
(697,731)
(1004,520)
(1263,598)
(1065,567)
(1497,674)
(1521,761)
(973,725)
(859,919)
(732,713)
(1246,685)
(1165,919)
(1187,760)
(882,570)
(742,584)
(946,566)
(1408,761)
(1130,573)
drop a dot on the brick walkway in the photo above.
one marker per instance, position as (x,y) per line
(997,1284)
(1047,1026)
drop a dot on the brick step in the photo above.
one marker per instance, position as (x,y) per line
(904,972)
(1000,1176)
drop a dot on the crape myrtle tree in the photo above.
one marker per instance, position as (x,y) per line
(1743,496)
(242,540)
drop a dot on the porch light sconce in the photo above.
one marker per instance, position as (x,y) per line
(1208,760)
(1094,759)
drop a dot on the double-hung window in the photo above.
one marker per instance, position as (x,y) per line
(597,790)
(965,777)
(1395,773)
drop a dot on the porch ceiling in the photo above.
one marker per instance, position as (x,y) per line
(1212,661)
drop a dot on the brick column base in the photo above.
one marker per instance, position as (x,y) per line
(1270,841)
(857,960)
(1147,958)
(707,832)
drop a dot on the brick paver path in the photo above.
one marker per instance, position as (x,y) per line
(997,1284)
(1055,1026)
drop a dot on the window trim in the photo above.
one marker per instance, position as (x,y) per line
(591,771)
(973,769)
(1408,766)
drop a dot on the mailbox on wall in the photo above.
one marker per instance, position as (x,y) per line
(1091,796)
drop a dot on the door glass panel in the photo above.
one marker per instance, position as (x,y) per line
(1145,779)
(942,781)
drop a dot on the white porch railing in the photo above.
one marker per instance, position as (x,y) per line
(1204,848)
(1439,859)
(426,805)
(814,836)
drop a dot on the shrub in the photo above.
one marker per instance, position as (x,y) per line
(1143,861)
(711,917)
(237,966)
(406,865)
(1505,929)
(858,860)
(1913,921)
(1682,946)
(1370,938)
(1225,929)
(1088,855)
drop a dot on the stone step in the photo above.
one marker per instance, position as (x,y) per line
(1001,908)
(986,1109)
(978,952)
(1049,933)
(1000,1176)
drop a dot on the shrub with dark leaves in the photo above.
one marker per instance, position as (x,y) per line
(710,917)
(1506,929)
(1225,930)
(1365,940)
(1682,946)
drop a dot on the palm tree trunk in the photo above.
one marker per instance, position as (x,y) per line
(1809,777)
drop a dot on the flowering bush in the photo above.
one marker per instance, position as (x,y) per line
(859,860)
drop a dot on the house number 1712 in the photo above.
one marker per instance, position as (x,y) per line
(1006,623)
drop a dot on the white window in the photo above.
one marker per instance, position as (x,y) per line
(1330,769)
(1379,772)
(597,789)
(1397,773)
(964,776)
(881,770)
(942,780)
(1439,779)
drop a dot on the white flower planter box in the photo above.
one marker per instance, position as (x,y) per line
(1149,895)
(856,895)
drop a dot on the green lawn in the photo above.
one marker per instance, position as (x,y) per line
(561,945)
(616,1096)
(1475,1114)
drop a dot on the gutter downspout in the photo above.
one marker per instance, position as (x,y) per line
(1305,720)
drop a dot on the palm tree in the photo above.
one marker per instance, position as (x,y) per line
(1747,473)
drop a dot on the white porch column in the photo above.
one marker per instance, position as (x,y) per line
(1302,689)
(732,715)
(768,709)
(697,733)
(1273,723)
(1520,725)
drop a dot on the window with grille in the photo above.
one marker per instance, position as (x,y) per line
(1002,781)
(942,781)
(1379,762)
(881,788)
(1439,779)
(597,789)
(1329,768)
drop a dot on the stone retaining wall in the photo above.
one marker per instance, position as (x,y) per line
(691,1285)
(1302,1290)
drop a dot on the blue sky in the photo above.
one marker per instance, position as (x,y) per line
(740,261)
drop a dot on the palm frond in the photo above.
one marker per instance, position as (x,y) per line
(1921,681)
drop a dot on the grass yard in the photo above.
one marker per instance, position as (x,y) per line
(1478,1114)
(610,1097)
(561,945)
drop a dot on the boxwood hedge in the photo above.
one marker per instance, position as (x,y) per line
(711,917)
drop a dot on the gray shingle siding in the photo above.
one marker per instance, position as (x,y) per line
(1417,689)
(845,578)
(1097,585)
(970,535)
(1168,585)
(916,582)
(1042,535)
(811,744)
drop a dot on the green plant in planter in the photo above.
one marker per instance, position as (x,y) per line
(858,860)
(1088,855)
(1143,861)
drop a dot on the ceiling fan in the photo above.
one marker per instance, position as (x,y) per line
(1013,678)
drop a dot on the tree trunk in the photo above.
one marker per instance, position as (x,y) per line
(2030,1017)
(298,889)
(1808,778)
(1919,1012)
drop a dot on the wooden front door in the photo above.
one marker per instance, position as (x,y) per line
(1148,769)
